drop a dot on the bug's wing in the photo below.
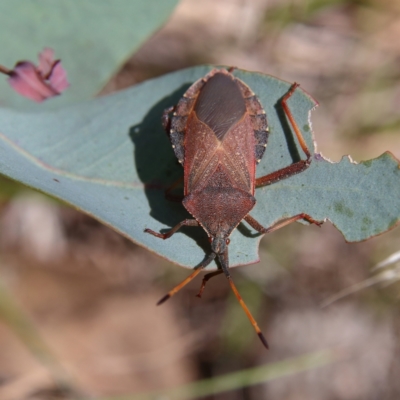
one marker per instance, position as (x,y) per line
(201,159)
(237,155)
(205,152)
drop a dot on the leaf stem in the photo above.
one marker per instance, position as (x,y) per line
(5,70)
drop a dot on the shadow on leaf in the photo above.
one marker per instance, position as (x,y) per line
(158,168)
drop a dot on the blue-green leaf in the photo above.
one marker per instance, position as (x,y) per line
(110,158)
(92,38)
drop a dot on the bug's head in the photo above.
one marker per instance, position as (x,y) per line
(219,243)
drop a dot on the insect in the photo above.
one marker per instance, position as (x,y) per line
(219,133)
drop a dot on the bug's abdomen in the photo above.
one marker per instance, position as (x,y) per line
(219,209)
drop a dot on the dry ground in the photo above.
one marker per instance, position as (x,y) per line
(92,294)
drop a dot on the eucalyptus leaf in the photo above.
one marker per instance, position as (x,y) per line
(92,38)
(111,158)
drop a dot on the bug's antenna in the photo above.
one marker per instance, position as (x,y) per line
(188,279)
(223,258)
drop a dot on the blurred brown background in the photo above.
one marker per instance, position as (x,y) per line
(91,294)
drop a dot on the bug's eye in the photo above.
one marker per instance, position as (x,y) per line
(227,241)
(210,239)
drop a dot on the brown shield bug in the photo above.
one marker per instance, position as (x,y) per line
(219,133)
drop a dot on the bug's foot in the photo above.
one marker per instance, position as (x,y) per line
(318,223)
(164,299)
(201,291)
(311,220)
(157,234)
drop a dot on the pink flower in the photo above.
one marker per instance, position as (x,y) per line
(39,83)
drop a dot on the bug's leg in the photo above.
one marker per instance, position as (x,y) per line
(206,279)
(166,120)
(186,222)
(293,122)
(188,279)
(173,197)
(298,166)
(224,260)
(280,224)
